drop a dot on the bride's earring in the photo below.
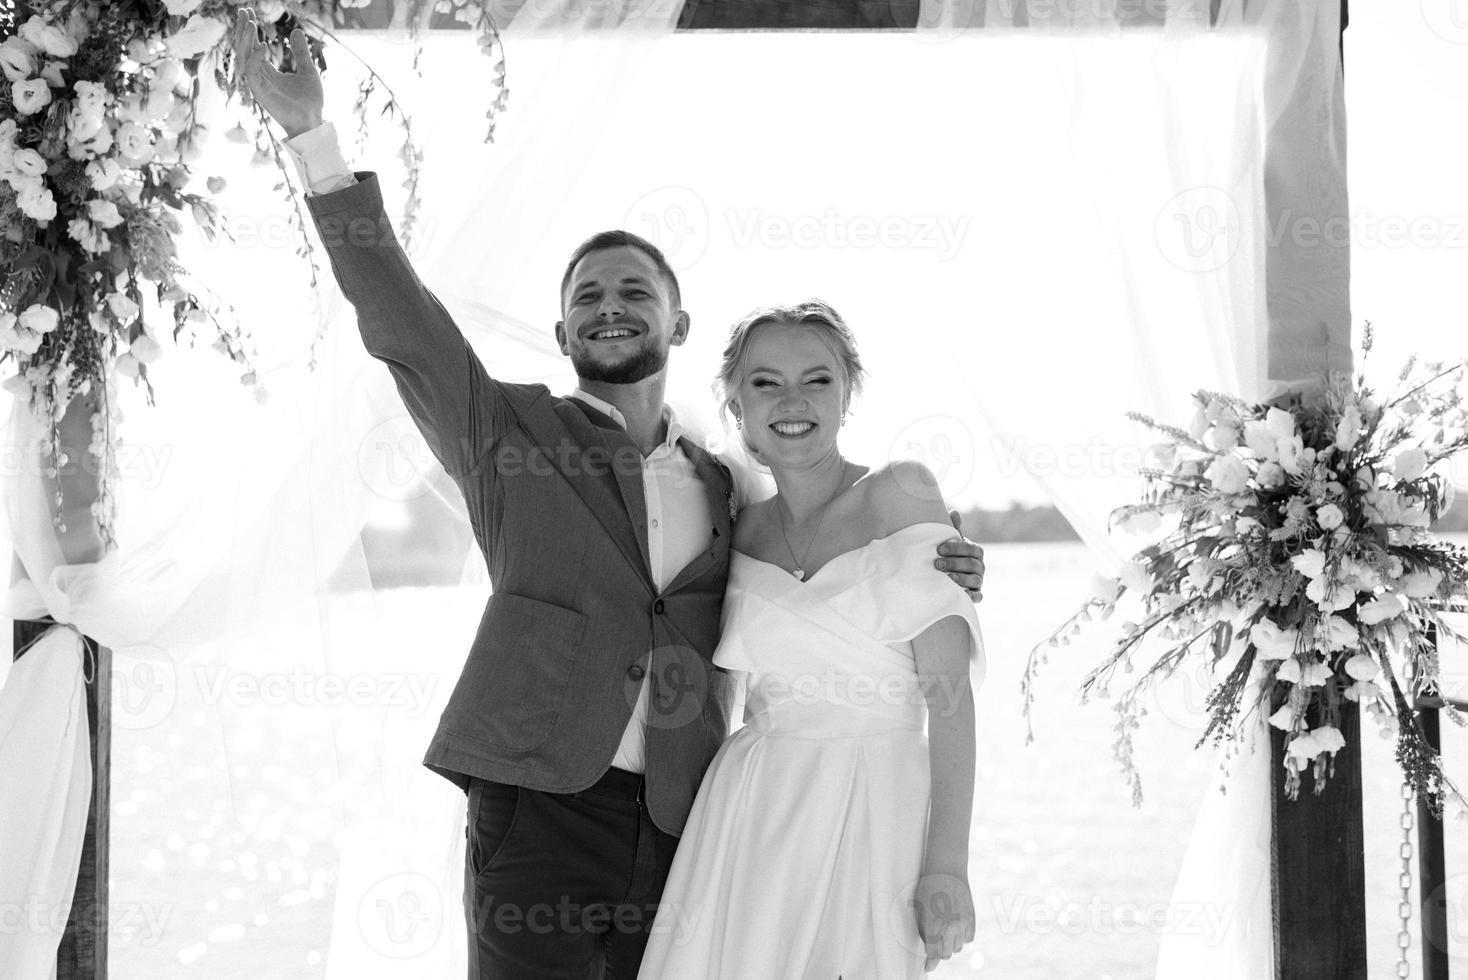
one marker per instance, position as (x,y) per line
(738,422)
(843,418)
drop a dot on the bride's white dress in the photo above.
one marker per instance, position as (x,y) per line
(806,839)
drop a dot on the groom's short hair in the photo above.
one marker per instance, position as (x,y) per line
(623,239)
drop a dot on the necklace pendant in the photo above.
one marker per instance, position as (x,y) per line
(799,574)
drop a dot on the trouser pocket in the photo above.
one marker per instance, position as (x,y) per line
(492,810)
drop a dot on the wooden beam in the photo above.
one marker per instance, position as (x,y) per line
(82,953)
(796,15)
(1319,866)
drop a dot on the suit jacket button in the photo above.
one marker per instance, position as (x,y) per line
(657,607)
(635,672)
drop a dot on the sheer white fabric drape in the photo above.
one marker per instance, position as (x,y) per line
(1091,194)
(1247,101)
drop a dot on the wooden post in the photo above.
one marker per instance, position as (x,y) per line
(82,954)
(1319,866)
(1431,867)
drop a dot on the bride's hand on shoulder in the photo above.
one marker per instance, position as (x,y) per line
(945,915)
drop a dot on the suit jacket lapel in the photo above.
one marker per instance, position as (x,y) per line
(616,500)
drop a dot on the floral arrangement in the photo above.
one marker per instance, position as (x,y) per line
(1295,537)
(99,137)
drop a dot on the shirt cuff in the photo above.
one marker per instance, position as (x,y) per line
(318,160)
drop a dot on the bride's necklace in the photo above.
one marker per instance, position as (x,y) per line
(799,572)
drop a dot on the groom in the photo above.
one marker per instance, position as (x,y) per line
(588,707)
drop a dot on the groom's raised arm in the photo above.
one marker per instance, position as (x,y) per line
(458,408)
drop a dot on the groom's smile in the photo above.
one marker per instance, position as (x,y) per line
(620,317)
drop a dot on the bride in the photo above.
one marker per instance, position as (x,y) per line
(830,835)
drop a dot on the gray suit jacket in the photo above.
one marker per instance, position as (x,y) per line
(554,493)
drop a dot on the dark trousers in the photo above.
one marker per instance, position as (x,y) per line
(562,886)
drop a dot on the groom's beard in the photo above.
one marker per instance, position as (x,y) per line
(633,368)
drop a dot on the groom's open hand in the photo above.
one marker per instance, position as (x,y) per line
(294,99)
(963,560)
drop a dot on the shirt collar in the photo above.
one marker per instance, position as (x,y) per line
(674,427)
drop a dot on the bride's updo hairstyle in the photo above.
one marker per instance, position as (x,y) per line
(813,313)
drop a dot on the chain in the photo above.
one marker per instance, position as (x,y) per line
(1404,906)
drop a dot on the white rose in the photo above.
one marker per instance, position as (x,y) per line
(1281,424)
(1223,437)
(1329,517)
(135,143)
(194,38)
(1420,585)
(88,235)
(1304,748)
(1348,430)
(17,338)
(36,202)
(1228,474)
(1271,642)
(1293,456)
(1379,610)
(17,58)
(98,144)
(146,349)
(30,96)
(91,96)
(40,318)
(1362,667)
(1309,563)
(1260,441)
(104,213)
(1314,674)
(1340,634)
(48,37)
(104,173)
(182,8)
(1271,475)
(123,307)
(1410,464)
(52,74)
(29,162)
(1330,596)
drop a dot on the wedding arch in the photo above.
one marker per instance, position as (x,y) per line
(1275,308)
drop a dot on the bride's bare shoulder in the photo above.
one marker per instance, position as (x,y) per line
(901,493)
(750,526)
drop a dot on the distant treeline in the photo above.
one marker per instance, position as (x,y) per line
(1018,523)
